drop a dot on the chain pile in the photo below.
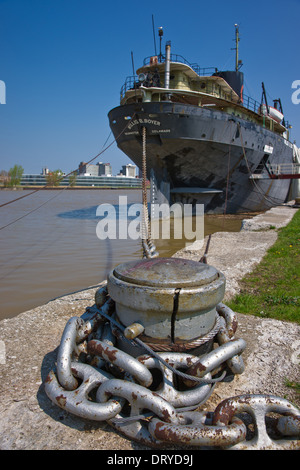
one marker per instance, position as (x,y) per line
(147,396)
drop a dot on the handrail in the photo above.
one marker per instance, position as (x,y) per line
(278,169)
(132,83)
(202,71)
(283,168)
(251,103)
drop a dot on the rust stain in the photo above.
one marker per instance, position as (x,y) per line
(48,379)
(96,347)
(164,433)
(61,400)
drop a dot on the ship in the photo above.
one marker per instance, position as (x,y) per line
(206,141)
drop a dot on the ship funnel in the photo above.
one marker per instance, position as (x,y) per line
(167,65)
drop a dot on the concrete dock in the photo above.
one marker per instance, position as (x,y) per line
(29,342)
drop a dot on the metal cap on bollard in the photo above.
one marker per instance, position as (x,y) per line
(174,299)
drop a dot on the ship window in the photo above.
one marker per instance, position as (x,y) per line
(127,118)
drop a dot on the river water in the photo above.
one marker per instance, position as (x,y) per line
(49,246)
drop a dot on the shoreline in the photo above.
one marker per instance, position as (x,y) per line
(236,253)
(28,188)
(30,341)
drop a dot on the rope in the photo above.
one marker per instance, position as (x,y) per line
(203,259)
(145,222)
(149,249)
(227,183)
(270,200)
(32,210)
(60,179)
(71,172)
(188,345)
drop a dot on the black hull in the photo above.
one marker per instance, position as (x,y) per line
(202,155)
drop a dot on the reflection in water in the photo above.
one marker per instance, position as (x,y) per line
(54,250)
(88,213)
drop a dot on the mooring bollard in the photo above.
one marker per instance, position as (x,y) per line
(174,299)
(159,338)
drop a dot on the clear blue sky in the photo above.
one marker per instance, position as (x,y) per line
(64,62)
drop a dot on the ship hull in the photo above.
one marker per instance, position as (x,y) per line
(202,155)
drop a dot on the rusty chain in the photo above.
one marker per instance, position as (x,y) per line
(90,365)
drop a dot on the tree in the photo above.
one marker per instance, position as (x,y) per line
(15,174)
(73,179)
(4,178)
(53,177)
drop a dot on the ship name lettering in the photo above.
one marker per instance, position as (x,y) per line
(159,131)
(143,121)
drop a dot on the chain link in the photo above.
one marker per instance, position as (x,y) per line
(89,364)
(258,406)
(196,432)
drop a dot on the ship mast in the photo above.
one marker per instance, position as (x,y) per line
(238,63)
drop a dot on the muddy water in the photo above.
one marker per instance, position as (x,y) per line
(49,246)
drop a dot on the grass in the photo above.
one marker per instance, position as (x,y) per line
(294,385)
(272,290)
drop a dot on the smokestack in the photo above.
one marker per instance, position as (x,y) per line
(167,65)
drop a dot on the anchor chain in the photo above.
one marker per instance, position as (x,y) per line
(96,380)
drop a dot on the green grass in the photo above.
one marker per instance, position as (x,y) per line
(272,290)
(294,385)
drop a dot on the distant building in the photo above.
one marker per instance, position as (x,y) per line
(87,169)
(129,170)
(99,169)
(105,169)
(88,176)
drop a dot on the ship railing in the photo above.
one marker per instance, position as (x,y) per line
(247,101)
(202,71)
(277,170)
(132,83)
(250,103)
(284,168)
